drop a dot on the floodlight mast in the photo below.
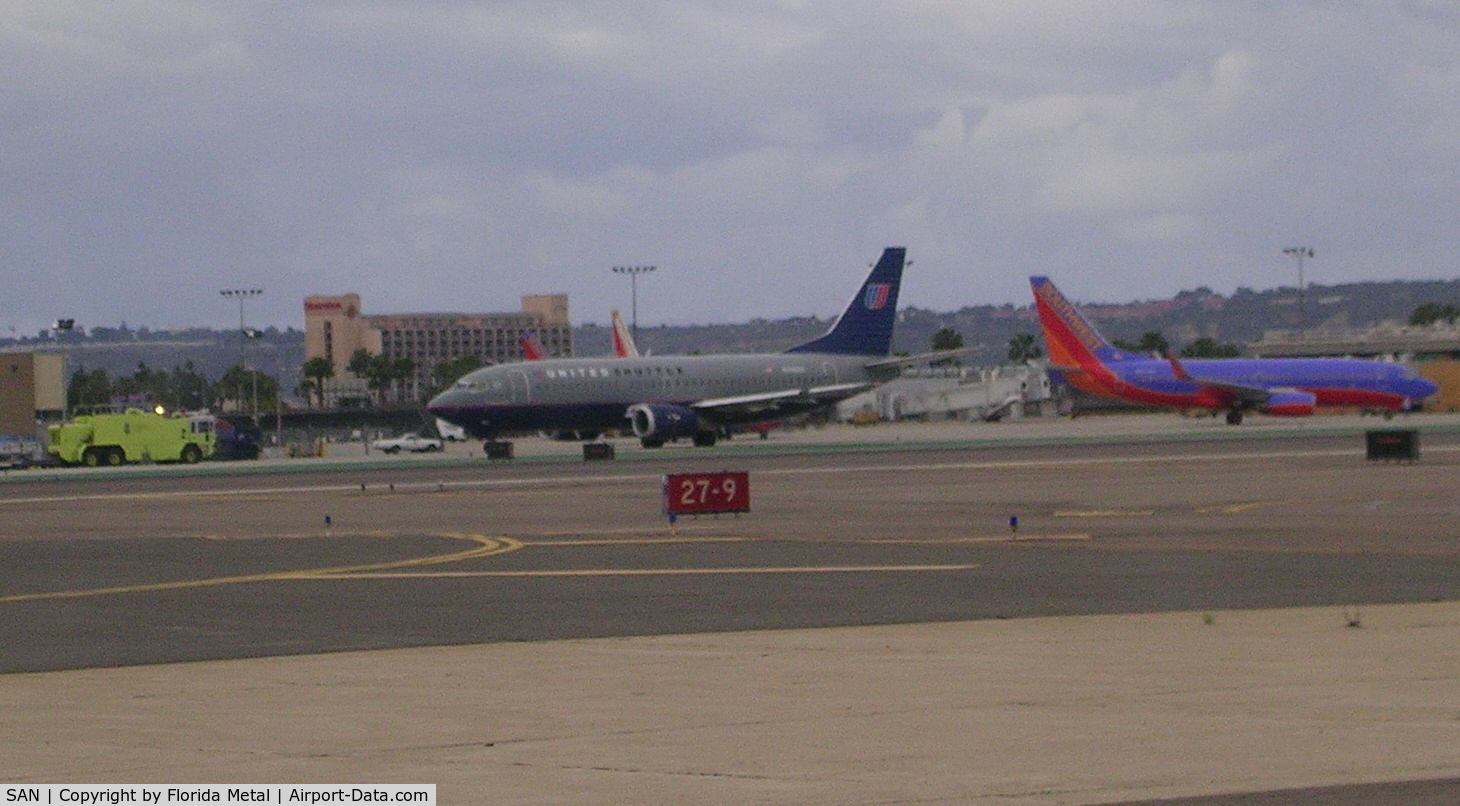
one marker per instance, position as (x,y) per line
(244,334)
(633,272)
(1300,252)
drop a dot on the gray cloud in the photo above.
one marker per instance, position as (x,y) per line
(454,156)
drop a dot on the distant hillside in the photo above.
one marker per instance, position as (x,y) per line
(756,336)
(1239,319)
(1243,317)
(118,351)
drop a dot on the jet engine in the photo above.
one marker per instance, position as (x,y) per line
(1291,403)
(657,423)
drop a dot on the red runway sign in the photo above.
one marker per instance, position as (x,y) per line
(706,493)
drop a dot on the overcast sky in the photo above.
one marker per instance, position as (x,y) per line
(453,156)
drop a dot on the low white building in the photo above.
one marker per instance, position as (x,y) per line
(963,393)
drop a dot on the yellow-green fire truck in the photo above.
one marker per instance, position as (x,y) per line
(133,435)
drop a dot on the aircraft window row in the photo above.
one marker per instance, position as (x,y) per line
(588,372)
(649,371)
(605,372)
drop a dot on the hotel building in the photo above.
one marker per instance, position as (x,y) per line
(335,327)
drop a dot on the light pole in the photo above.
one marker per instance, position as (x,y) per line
(633,272)
(243,336)
(1300,252)
(57,328)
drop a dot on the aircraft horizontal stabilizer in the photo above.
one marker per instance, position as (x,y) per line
(897,362)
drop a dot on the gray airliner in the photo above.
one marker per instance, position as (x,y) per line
(664,398)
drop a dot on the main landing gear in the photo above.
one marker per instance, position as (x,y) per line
(703,439)
(494,449)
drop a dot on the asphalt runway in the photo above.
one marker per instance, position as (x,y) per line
(107,569)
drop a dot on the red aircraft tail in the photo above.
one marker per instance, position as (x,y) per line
(532,348)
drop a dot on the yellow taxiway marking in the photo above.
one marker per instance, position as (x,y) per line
(634,541)
(325,532)
(487,547)
(1014,537)
(1103,513)
(601,572)
(1248,506)
(1026,537)
(701,526)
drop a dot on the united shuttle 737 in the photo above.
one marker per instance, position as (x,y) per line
(1291,387)
(663,398)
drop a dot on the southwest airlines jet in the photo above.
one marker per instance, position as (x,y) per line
(1292,387)
(623,340)
(663,398)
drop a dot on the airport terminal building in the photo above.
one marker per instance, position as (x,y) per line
(335,327)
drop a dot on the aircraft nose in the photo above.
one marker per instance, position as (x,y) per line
(446,401)
(1423,388)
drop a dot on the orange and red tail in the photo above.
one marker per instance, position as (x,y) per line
(623,340)
(532,349)
(1073,342)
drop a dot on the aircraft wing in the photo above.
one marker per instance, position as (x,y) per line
(1239,393)
(769,403)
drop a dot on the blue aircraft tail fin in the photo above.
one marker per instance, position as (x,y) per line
(865,327)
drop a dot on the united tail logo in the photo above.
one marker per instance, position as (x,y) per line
(876,296)
(865,325)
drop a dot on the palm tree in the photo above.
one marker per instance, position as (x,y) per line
(1024,348)
(1207,347)
(318,370)
(947,339)
(398,370)
(445,373)
(1151,343)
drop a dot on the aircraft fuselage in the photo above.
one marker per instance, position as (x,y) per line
(1332,381)
(594,394)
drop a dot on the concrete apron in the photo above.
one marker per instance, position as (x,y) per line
(1069,710)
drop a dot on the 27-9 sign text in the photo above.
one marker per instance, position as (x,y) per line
(706,493)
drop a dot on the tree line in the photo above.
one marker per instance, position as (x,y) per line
(183,388)
(242,388)
(1431,313)
(1152,342)
(384,377)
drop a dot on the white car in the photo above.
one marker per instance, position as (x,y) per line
(415,443)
